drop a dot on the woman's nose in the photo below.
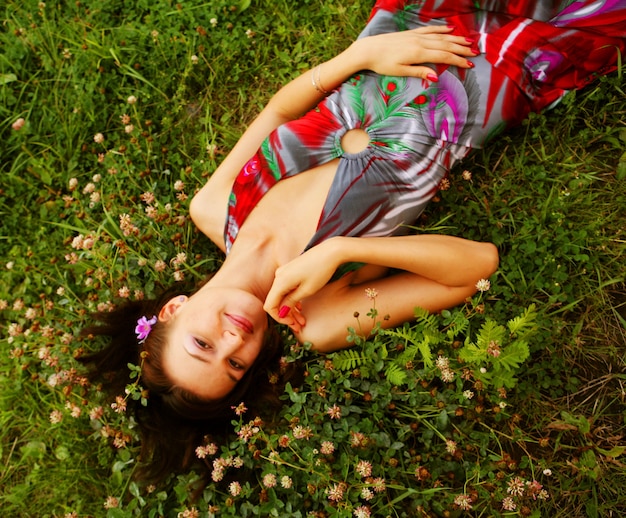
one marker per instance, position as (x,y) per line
(231,340)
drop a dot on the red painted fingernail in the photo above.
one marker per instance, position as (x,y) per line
(470,64)
(432,77)
(283,312)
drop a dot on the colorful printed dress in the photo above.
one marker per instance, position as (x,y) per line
(532,52)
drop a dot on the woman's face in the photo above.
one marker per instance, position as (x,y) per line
(214,337)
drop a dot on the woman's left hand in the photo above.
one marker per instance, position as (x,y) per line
(404,53)
(300,278)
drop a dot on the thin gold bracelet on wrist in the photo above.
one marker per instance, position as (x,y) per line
(316,80)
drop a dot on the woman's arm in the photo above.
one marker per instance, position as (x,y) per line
(437,272)
(396,54)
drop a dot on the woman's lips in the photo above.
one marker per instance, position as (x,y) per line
(241,322)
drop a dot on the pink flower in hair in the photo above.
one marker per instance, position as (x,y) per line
(144,326)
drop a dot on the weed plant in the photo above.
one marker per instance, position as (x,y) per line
(112,114)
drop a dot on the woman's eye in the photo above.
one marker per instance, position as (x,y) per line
(201,343)
(235,365)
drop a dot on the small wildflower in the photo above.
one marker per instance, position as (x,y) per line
(483,285)
(335,492)
(217,474)
(160,265)
(451,446)
(234,488)
(378,485)
(286,482)
(444,184)
(364,468)
(463,502)
(213,22)
(125,118)
(179,276)
(124,292)
(358,439)
(56,416)
(502,404)
(154,34)
(327,448)
(371,293)
(493,349)
(467,175)
(515,486)
(334,412)
(119,405)
(468,394)
(96,413)
(181,258)
(129,128)
(240,409)
(147,197)
(75,410)
(547,472)
(447,375)
(131,99)
(442,362)
(250,33)
(194,59)
(508,504)
(98,138)
(248,431)
(89,188)
(269,480)
(67,53)
(367,494)
(18,124)
(283,441)
(362,512)
(302,432)
(189,513)
(111,502)
(179,185)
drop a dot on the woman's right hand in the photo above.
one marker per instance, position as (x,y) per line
(403,53)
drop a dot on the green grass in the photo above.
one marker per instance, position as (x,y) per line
(551,195)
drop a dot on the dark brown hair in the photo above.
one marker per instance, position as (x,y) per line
(174,422)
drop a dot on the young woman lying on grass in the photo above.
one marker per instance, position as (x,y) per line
(311,206)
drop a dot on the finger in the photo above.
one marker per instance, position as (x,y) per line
(433,29)
(280,308)
(420,71)
(298,317)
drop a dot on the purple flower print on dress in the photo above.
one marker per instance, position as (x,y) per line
(144,326)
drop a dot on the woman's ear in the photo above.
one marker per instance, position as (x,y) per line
(171,306)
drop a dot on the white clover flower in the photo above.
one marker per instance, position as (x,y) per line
(483,285)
